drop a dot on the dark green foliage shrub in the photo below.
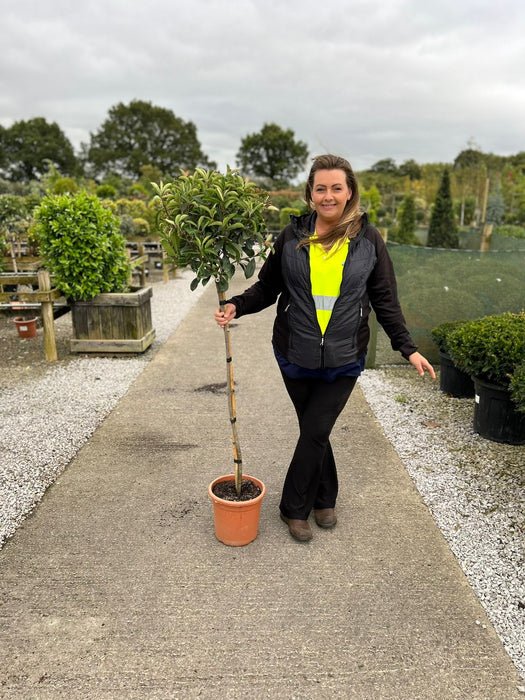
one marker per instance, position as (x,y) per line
(106,192)
(491,348)
(80,243)
(442,231)
(406,229)
(517,387)
(440,334)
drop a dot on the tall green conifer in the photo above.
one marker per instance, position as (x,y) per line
(443,232)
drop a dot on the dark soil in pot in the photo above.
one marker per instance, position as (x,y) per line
(227,491)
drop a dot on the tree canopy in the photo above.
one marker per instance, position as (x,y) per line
(272,153)
(27,148)
(142,134)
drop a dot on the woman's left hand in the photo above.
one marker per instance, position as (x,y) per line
(421,364)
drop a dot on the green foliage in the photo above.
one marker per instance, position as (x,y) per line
(442,232)
(141,227)
(136,208)
(441,333)
(510,231)
(64,185)
(4,248)
(142,134)
(371,203)
(285,213)
(386,166)
(272,153)
(13,210)
(30,146)
(81,245)
(127,227)
(106,192)
(517,387)
(491,348)
(212,222)
(407,222)
(469,158)
(495,208)
(411,169)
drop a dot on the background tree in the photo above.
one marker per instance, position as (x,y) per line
(28,147)
(406,232)
(142,134)
(442,232)
(371,201)
(3,137)
(386,166)
(411,169)
(273,153)
(495,206)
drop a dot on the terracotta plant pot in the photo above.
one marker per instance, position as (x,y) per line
(236,522)
(26,328)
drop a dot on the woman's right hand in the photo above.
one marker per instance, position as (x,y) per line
(225,314)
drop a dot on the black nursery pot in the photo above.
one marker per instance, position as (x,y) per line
(453,381)
(495,414)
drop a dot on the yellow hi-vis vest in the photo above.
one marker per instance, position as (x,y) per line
(326,274)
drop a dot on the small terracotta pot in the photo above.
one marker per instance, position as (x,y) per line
(236,522)
(26,328)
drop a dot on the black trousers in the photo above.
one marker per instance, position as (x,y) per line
(311,481)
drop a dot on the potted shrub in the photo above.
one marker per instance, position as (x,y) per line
(517,388)
(452,380)
(212,223)
(492,350)
(81,245)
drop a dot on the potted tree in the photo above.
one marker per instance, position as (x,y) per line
(452,380)
(213,222)
(492,350)
(81,245)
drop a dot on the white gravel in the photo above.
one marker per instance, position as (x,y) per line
(475,489)
(44,423)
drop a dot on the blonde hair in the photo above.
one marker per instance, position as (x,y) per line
(350,222)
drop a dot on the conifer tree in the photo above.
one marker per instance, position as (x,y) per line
(407,222)
(443,232)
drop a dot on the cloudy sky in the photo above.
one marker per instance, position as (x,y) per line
(367,79)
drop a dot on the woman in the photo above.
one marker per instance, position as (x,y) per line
(327,268)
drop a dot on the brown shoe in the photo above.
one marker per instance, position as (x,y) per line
(299,529)
(325,517)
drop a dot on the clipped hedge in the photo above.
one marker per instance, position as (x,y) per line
(492,348)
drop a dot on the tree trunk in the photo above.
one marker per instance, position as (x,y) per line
(237,458)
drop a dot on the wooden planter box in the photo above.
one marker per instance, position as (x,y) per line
(113,323)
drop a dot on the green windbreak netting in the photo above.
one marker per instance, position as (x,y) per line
(438,285)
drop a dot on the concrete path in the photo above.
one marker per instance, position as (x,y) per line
(116,587)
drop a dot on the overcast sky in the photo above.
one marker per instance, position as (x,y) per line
(367,79)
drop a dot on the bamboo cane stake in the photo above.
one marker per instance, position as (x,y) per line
(237,458)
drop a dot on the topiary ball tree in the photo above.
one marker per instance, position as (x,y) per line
(213,223)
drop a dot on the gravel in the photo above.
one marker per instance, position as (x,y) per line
(473,488)
(46,418)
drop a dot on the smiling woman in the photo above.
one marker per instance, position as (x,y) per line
(327,269)
(330,196)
